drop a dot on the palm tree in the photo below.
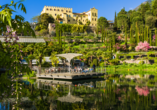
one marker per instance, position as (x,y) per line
(54,59)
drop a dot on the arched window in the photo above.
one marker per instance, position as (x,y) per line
(54,9)
(58,9)
(66,10)
(62,10)
(95,14)
(95,19)
(47,9)
(69,11)
(50,9)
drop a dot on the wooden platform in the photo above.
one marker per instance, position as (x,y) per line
(69,75)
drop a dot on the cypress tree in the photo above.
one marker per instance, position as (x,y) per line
(150,38)
(142,34)
(115,22)
(147,33)
(155,37)
(102,34)
(137,37)
(131,34)
(113,38)
(125,35)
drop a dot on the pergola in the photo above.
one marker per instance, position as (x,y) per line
(69,56)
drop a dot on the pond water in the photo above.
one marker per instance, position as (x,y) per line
(112,93)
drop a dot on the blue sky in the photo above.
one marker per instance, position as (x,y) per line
(106,8)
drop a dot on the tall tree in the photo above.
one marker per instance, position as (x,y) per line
(102,23)
(115,22)
(122,19)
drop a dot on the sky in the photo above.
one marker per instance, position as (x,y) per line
(106,8)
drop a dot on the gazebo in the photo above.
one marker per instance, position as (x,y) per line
(69,56)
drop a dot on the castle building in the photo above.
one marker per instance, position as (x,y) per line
(66,15)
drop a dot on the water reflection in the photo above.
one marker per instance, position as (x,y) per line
(113,93)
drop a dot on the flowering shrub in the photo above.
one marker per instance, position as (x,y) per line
(117,46)
(123,47)
(142,46)
(142,91)
(119,38)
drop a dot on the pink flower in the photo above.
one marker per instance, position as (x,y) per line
(142,46)
(142,91)
(119,38)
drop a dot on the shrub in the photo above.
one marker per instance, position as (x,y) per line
(141,62)
(85,39)
(95,39)
(43,31)
(98,45)
(82,46)
(90,46)
(114,62)
(142,46)
(122,59)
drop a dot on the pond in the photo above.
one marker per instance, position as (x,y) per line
(114,92)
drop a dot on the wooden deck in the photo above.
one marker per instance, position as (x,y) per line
(69,75)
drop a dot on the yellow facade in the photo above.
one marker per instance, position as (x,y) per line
(67,16)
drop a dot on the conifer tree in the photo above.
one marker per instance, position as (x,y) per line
(150,38)
(115,22)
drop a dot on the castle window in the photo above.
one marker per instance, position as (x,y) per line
(50,9)
(47,9)
(66,10)
(95,14)
(54,9)
(92,14)
(55,14)
(73,19)
(62,10)
(69,11)
(92,19)
(69,15)
(68,20)
(58,9)
(95,19)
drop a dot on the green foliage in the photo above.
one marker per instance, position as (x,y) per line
(141,62)
(103,23)
(95,61)
(114,62)
(150,21)
(122,19)
(31,74)
(95,39)
(43,32)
